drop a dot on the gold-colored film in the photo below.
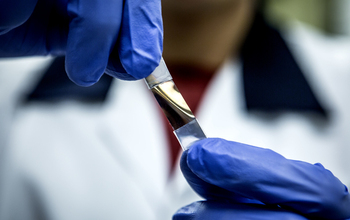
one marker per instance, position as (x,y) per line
(173,104)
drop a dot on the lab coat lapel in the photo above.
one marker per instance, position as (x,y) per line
(132,119)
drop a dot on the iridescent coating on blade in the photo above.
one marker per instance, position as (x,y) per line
(172,103)
(181,118)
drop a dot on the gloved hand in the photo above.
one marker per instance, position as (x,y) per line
(123,38)
(245,182)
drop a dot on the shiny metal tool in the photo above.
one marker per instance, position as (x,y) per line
(181,118)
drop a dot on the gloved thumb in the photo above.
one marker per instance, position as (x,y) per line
(208,190)
(264,175)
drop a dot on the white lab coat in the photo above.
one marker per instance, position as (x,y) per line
(74,160)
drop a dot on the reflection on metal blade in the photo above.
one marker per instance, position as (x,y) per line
(173,104)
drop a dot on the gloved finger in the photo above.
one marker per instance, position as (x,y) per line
(14,13)
(207,190)
(218,210)
(140,45)
(264,175)
(93,31)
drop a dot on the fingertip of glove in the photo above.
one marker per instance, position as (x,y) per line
(205,148)
(81,81)
(83,77)
(188,212)
(115,69)
(196,183)
(204,143)
(140,66)
(132,67)
(183,163)
(119,75)
(210,159)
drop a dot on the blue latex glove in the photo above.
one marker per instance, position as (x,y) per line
(245,182)
(123,38)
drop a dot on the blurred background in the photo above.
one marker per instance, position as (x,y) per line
(330,16)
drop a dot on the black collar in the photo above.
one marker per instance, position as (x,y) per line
(273,80)
(55,86)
